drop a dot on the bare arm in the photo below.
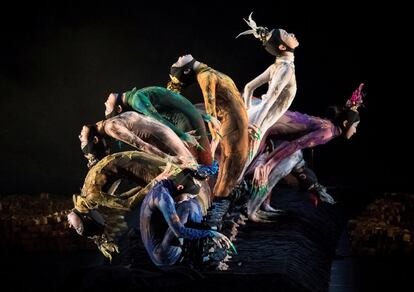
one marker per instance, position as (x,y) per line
(252,85)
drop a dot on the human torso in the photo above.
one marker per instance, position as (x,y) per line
(228,98)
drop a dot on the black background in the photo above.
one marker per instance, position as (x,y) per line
(59,62)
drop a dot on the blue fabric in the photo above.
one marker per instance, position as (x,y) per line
(210,169)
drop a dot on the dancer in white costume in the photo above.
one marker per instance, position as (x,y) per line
(281,79)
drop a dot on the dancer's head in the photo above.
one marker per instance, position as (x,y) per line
(93,145)
(182,73)
(347,117)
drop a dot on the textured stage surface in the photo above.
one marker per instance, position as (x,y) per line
(294,254)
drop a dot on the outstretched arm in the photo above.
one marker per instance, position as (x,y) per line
(252,85)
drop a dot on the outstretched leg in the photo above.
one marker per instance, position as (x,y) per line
(259,194)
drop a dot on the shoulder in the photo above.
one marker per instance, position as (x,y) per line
(114,123)
(272,67)
(326,127)
(162,187)
(281,67)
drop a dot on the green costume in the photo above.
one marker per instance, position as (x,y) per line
(174,111)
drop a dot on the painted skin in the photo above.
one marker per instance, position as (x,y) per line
(273,104)
(159,208)
(174,111)
(298,131)
(282,83)
(145,134)
(308,131)
(99,190)
(223,101)
(260,194)
(291,126)
(136,166)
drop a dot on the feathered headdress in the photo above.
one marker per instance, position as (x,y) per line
(259,32)
(355,100)
(270,39)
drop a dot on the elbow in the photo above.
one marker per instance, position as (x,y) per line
(179,231)
(177,234)
(248,88)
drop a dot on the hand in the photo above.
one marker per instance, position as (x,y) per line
(92,160)
(261,175)
(213,146)
(221,239)
(186,162)
(190,139)
(216,125)
(107,248)
(217,135)
(254,141)
(255,132)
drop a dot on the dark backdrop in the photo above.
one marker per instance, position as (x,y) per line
(59,63)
